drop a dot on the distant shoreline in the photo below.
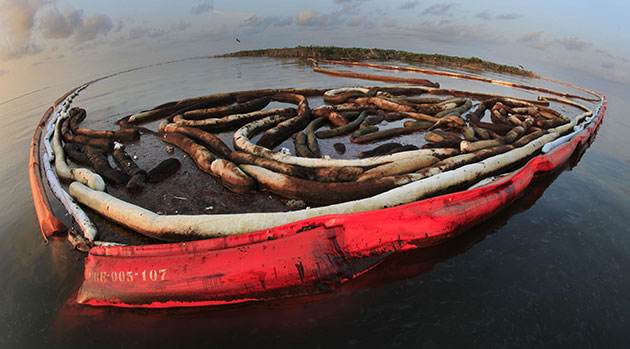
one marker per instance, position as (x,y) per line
(375,54)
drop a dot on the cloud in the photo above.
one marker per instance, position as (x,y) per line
(356,21)
(204,7)
(409,5)
(73,23)
(348,14)
(439,9)
(24,21)
(140,32)
(55,25)
(573,44)
(602,52)
(484,15)
(215,33)
(341,16)
(348,1)
(18,18)
(535,40)
(92,27)
(182,25)
(532,36)
(487,15)
(311,18)
(19,49)
(284,22)
(447,32)
(254,21)
(508,16)
(540,44)
(389,22)
(263,22)
(607,65)
(119,26)
(609,55)
(347,9)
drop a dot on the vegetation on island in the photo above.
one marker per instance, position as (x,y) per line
(375,54)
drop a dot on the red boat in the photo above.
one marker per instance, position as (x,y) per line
(305,257)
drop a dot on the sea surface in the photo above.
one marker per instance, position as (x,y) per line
(551,270)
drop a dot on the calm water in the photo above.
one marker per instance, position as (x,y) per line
(551,270)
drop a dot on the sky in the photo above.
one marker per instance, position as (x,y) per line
(43,42)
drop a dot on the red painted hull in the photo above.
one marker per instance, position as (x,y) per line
(48,223)
(304,257)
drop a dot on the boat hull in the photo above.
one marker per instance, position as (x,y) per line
(304,257)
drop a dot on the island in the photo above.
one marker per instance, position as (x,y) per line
(376,54)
